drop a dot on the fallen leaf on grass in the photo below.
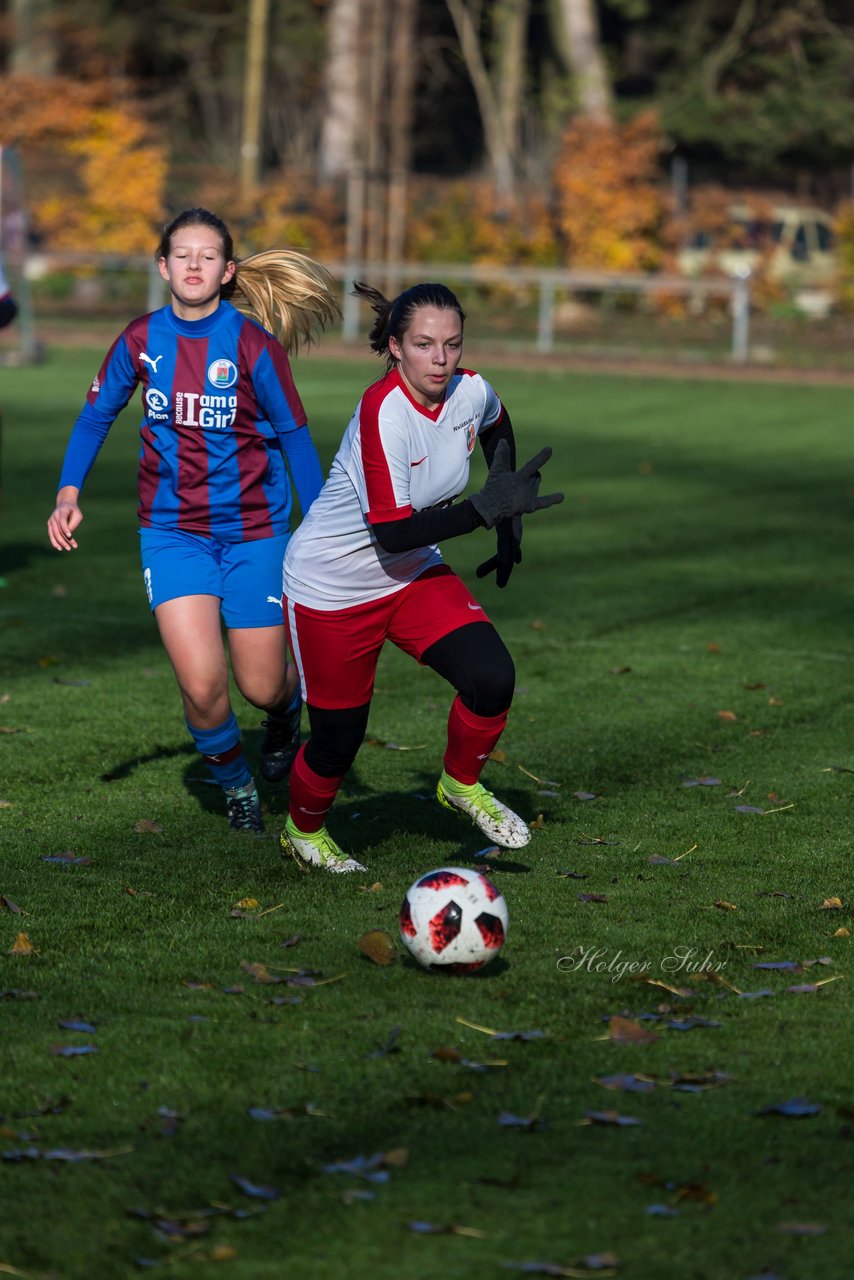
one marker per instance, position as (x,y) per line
(704,781)
(573,875)
(841,933)
(292,940)
(6,728)
(247,904)
(254,1189)
(689,1024)
(302,1109)
(65,1154)
(727,715)
(502,1035)
(375,1168)
(831,904)
(591,897)
(608,1117)
(440,1103)
(77,1024)
(147,824)
(802,1228)
(72,1050)
(16,993)
(661,1211)
(527,1124)
(394,746)
(67,859)
(12,906)
(698,1082)
(748,808)
(810,988)
(584,838)
(378,946)
(663,986)
(626,1083)
(433,1229)
(604,1264)
(794,1109)
(22,946)
(627,1031)
(585,795)
(724,905)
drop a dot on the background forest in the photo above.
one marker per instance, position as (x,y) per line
(529,132)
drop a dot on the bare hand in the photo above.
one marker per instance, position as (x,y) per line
(64,519)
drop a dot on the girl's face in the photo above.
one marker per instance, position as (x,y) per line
(428,353)
(195,270)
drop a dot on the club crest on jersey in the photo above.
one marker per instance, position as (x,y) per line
(471,436)
(222,373)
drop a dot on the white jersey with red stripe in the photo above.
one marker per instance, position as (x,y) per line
(396,457)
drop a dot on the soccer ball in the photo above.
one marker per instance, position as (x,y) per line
(453,919)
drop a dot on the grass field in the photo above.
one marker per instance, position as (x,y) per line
(682,629)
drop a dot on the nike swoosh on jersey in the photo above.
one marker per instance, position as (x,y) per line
(476,606)
(420,460)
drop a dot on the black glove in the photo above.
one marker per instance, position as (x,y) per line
(508,552)
(512,493)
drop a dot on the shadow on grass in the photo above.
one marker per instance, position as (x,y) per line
(126,767)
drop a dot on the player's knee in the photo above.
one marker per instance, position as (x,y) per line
(492,685)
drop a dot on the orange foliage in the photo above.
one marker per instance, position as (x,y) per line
(463,222)
(95,177)
(611,208)
(286,211)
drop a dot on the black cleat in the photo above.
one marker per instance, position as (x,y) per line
(280,746)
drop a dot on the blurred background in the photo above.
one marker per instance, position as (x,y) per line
(667,180)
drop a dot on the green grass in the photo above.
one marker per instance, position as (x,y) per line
(704,548)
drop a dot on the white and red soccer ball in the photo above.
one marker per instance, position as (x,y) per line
(453,919)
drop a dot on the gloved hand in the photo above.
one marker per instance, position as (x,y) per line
(508,552)
(512,493)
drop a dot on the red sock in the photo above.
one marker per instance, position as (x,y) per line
(470,740)
(311,796)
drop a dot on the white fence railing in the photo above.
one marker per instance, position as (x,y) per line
(549,284)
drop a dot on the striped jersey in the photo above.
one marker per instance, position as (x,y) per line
(219,409)
(396,457)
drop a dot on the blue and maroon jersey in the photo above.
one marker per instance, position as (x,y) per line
(220,409)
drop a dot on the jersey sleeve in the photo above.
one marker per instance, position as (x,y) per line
(279,399)
(386,460)
(493,409)
(107,396)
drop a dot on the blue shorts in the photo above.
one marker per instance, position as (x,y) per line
(246,576)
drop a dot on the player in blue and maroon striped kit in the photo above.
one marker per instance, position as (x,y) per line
(221,415)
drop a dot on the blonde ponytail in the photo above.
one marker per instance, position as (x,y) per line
(288,293)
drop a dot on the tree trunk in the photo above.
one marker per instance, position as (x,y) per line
(33,44)
(338,152)
(585,60)
(402,67)
(498,146)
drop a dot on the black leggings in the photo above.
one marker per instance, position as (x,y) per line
(474,659)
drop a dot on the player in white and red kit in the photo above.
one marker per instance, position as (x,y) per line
(221,418)
(364,567)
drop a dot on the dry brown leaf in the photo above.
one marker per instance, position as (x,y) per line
(146,824)
(628,1031)
(22,946)
(726,906)
(378,946)
(841,933)
(538,823)
(727,715)
(248,904)
(831,904)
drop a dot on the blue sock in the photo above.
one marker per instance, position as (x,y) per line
(221,751)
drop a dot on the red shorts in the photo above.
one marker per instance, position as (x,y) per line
(337,651)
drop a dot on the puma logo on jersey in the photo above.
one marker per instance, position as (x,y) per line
(148,360)
(274,600)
